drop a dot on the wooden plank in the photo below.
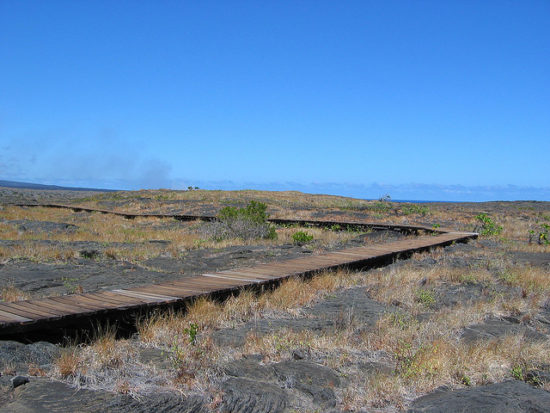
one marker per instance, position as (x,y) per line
(19,312)
(162,289)
(153,291)
(55,306)
(234,278)
(214,284)
(150,298)
(193,288)
(13,318)
(117,298)
(87,299)
(70,300)
(40,311)
(247,275)
(263,271)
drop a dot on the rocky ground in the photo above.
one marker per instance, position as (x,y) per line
(464,328)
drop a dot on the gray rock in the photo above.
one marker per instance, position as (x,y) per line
(494,327)
(300,353)
(45,396)
(250,396)
(350,306)
(375,367)
(538,377)
(19,381)
(251,369)
(339,310)
(507,397)
(310,378)
(236,337)
(158,403)
(19,356)
(90,253)
(467,293)
(539,259)
(160,359)
(43,226)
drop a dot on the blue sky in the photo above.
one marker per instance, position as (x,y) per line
(347,97)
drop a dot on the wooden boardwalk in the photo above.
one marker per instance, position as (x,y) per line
(41,314)
(281,221)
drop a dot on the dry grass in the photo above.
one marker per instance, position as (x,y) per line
(292,295)
(37,252)
(69,362)
(10,294)
(106,363)
(104,228)
(422,355)
(531,279)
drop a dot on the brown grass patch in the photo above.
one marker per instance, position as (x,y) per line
(531,279)
(290,296)
(10,294)
(68,362)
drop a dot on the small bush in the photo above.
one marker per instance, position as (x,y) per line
(380,207)
(254,212)
(410,209)
(426,297)
(541,235)
(245,223)
(301,237)
(517,372)
(488,225)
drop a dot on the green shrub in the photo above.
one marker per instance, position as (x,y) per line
(192,333)
(380,207)
(488,226)
(249,222)
(254,212)
(517,372)
(541,234)
(301,237)
(425,297)
(409,209)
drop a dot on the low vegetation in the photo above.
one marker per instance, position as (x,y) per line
(247,223)
(427,303)
(488,226)
(301,237)
(11,294)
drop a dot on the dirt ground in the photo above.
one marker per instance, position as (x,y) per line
(461,328)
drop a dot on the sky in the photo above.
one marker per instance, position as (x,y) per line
(445,100)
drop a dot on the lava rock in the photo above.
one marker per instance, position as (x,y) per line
(251,369)
(507,397)
(247,396)
(158,403)
(19,381)
(494,327)
(18,356)
(310,378)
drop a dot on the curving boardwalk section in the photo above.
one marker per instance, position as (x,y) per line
(55,312)
(283,221)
